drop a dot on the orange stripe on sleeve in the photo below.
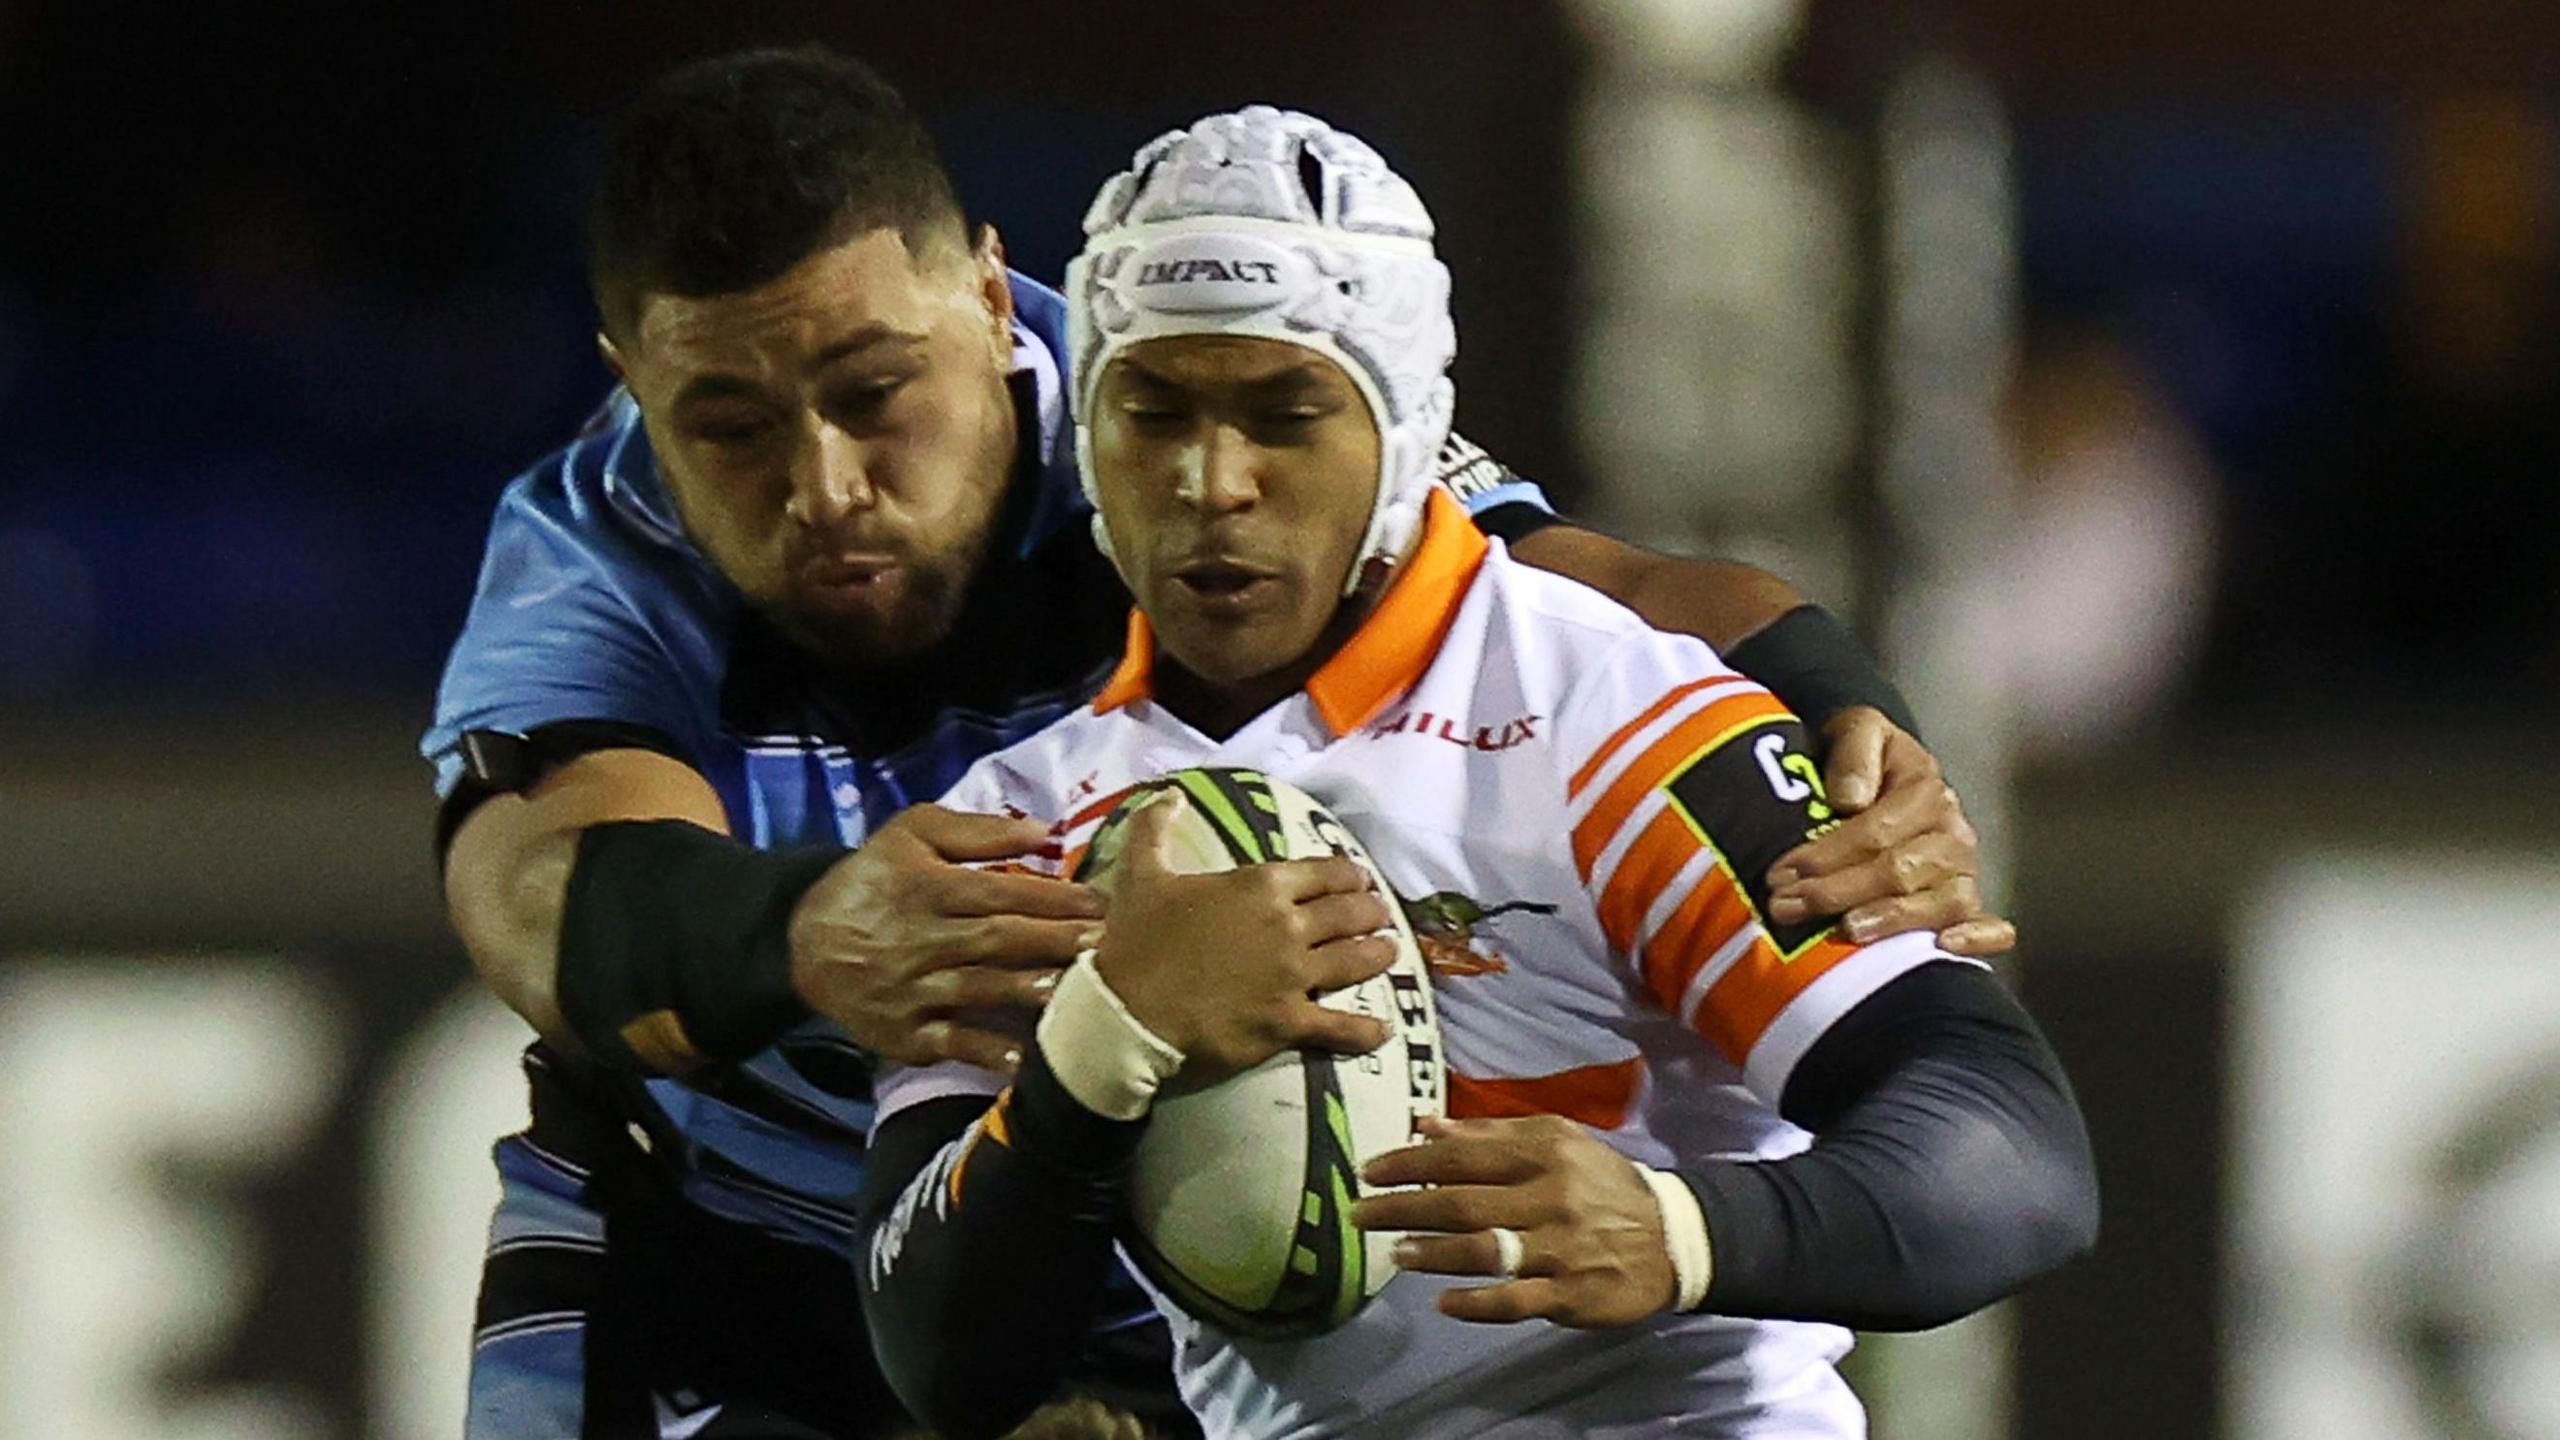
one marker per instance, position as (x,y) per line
(1596,1095)
(992,1128)
(1736,1011)
(1660,762)
(1648,867)
(1713,914)
(1627,731)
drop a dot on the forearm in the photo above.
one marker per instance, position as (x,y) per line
(1757,621)
(1949,1167)
(508,858)
(610,907)
(987,1244)
(1723,602)
(508,918)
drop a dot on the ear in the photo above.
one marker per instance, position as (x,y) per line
(613,360)
(995,283)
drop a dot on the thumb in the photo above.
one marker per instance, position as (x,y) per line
(1854,770)
(1150,846)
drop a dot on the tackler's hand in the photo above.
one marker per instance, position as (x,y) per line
(1904,859)
(1564,1225)
(914,950)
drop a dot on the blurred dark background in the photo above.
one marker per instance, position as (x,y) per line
(287,295)
(283,300)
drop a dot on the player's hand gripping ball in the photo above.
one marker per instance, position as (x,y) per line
(1588,1248)
(1238,933)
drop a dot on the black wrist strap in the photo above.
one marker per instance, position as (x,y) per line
(1814,664)
(675,943)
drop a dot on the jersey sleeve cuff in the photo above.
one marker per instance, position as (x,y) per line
(1834,993)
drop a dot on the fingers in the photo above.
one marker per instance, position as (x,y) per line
(1465,1152)
(976,987)
(956,835)
(1906,760)
(1902,814)
(1341,964)
(1301,881)
(937,1040)
(1980,938)
(1908,810)
(1317,1028)
(1448,1210)
(1012,940)
(1474,1253)
(1854,770)
(1341,916)
(1934,865)
(1508,1303)
(989,892)
(1150,846)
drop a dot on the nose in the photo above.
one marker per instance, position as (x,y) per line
(1222,473)
(830,478)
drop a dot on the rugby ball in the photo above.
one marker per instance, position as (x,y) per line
(1240,1195)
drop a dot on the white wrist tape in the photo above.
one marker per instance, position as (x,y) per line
(1684,1234)
(1100,1052)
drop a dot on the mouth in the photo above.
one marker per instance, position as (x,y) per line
(1226,587)
(856,573)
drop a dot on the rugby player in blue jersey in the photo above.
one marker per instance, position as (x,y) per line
(822,549)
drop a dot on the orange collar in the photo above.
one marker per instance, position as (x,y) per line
(1386,654)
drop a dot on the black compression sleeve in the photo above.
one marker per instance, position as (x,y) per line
(675,943)
(1814,664)
(1949,1167)
(987,1244)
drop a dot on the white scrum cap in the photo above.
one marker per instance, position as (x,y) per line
(1272,223)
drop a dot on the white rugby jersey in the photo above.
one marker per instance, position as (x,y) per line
(1577,811)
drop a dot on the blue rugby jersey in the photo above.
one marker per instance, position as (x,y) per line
(593,606)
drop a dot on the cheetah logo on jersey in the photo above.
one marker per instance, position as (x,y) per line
(1445,926)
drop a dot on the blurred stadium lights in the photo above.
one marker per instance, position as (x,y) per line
(1946,317)
(138,1098)
(1944,476)
(1716,398)
(2396,1148)
(1796,338)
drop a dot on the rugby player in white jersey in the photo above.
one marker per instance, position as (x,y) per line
(823,549)
(1699,1138)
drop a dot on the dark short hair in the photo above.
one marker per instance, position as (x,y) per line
(735,168)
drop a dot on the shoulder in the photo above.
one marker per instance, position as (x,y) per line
(1039,369)
(1041,311)
(1566,634)
(599,493)
(590,603)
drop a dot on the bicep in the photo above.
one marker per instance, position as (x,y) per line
(507,871)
